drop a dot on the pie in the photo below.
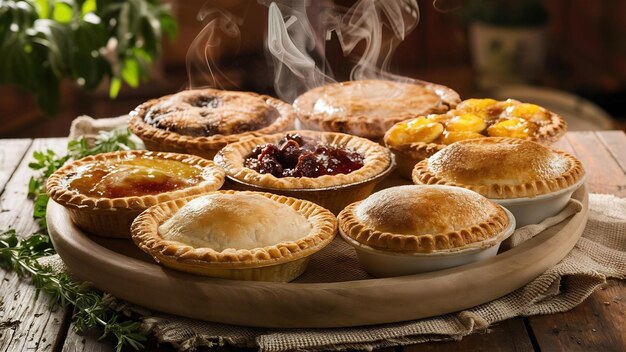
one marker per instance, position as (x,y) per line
(105,192)
(331,169)
(501,168)
(235,235)
(418,138)
(367,108)
(203,121)
(424,219)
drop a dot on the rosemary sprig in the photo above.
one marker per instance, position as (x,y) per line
(20,256)
(46,162)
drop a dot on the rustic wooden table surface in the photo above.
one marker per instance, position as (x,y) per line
(598,324)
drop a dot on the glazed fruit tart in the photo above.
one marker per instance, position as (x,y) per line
(105,192)
(331,169)
(530,179)
(235,235)
(203,121)
(367,108)
(418,138)
(410,229)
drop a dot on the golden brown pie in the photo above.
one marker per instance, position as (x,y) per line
(418,138)
(203,121)
(235,235)
(501,168)
(424,219)
(105,192)
(331,169)
(367,108)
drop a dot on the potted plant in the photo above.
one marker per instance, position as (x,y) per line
(507,39)
(87,41)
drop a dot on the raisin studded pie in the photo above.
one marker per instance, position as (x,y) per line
(235,235)
(203,121)
(367,108)
(418,138)
(533,181)
(331,169)
(409,229)
(105,192)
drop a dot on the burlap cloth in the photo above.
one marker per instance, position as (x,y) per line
(598,255)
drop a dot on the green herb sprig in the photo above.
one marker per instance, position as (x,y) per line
(20,256)
(46,162)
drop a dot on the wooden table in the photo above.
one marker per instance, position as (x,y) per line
(598,324)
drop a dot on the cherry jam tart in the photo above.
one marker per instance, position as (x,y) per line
(298,156)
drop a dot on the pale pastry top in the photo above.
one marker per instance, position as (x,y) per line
(238,221)
(425,210)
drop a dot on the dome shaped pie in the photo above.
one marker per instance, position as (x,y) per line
(367,108)
(418,138)
(235,235)
(501,168)
(203,121)
(424,219)
(105,192)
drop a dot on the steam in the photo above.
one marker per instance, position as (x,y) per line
(221,27)
(291,41)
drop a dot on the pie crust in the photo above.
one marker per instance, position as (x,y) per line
(495,117)
(501,168)
(203,121)
(367,108)
(424,219)
(112,217)
(282,261)
(331,191)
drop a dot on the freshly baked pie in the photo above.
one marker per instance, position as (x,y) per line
(367,108)
(203,121)
(501,168)
(416,139)
(235,235)
(407,229)
(105,192)
(331,169)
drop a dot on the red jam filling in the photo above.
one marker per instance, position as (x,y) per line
(299,156)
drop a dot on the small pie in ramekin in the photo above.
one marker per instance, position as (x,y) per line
(330,169)
(202,121)
(235,235)
(367,108)
(105,192)
(418,138)
(533,181)
(411,229)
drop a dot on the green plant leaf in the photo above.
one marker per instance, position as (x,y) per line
(114,88)
(62,12)
(89,6)
(130,72)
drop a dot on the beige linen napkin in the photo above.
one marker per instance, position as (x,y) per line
(599,254)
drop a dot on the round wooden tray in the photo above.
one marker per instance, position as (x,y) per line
(118,267)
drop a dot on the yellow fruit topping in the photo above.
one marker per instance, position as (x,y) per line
(439,117)
(530,112)
(450,137)
(514,127)
(466,122)
(420,129)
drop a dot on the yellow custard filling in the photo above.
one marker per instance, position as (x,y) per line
(133,177)
(472,118)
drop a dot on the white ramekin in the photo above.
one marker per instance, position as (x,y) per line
(533,210)
(380,263)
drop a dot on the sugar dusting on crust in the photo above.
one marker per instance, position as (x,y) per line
(421,210)
(222,221)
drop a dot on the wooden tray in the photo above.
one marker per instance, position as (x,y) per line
(118,267)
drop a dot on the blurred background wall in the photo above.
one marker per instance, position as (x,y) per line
(585,55)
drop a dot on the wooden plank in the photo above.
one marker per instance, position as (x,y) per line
(598,324)
(33,325)
(507,336)
(11,153)
(604,174)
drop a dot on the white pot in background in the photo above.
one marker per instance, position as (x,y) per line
(506,55)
